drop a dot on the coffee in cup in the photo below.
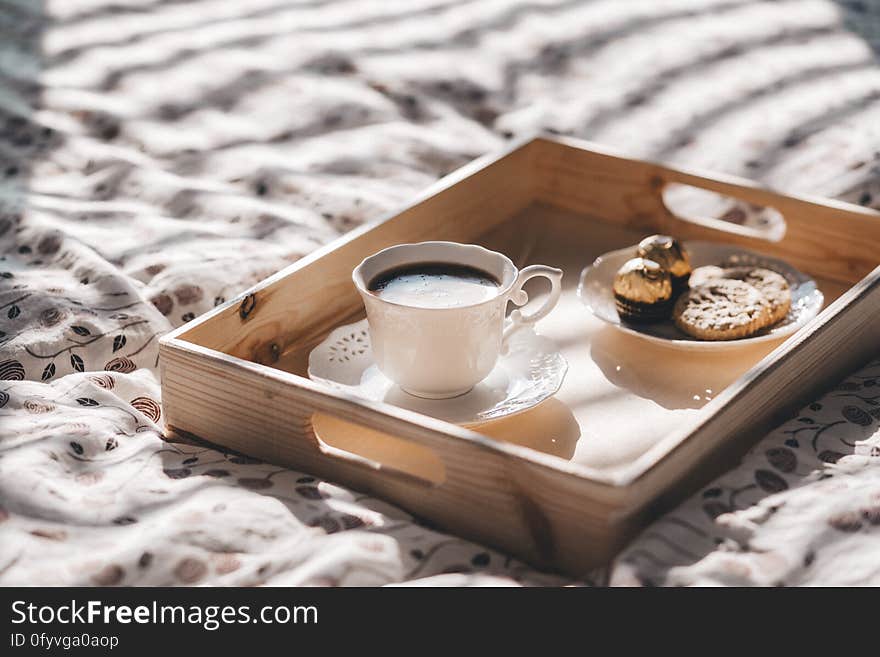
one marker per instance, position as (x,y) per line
(435,285)
(436,312)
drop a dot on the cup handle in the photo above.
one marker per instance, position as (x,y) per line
(520,298)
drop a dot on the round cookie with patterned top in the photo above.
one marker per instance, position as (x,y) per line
(722,309)
(771,284)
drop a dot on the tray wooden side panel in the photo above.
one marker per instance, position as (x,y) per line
(529,508)
(831,240)
(314,294)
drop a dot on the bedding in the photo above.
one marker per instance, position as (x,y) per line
(157,158)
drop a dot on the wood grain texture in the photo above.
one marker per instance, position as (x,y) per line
(829,239)
(539,506)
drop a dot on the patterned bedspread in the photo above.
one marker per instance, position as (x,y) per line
(158,157)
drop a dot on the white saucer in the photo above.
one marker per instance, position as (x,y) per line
(531,371)
(596,293)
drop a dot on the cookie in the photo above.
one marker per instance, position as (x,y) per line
(768,282)
(722,309)
(772,285)
(705,273)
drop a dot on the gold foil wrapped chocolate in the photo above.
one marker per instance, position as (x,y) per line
(668,253)
(642,280)
(642,291)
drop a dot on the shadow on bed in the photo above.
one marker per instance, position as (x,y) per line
(863,18)
(23,140)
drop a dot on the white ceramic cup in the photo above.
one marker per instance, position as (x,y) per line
(444,352)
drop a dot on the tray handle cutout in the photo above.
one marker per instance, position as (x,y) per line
(725,207)
(378,451)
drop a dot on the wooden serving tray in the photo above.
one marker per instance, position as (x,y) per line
(635,426)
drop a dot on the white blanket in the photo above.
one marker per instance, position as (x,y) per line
(158,158)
